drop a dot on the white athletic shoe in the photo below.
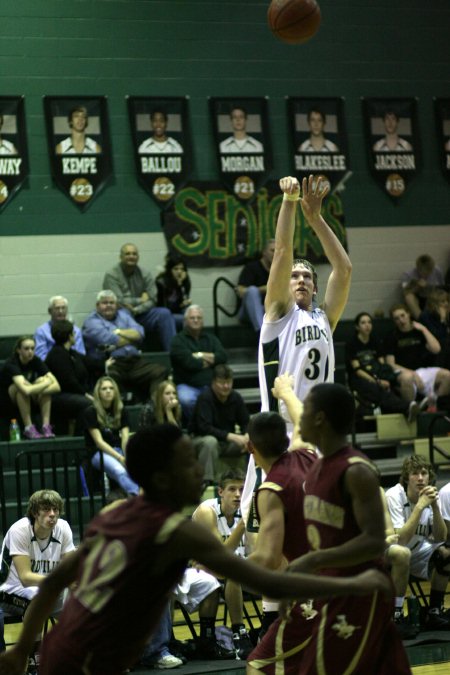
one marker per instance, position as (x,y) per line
(168,661)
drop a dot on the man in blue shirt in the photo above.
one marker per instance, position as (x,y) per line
(112,336)
(58,307)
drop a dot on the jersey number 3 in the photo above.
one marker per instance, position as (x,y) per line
(312,371)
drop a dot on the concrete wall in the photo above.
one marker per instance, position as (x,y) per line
(211,48)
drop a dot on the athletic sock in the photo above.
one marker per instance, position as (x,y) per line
(436,599)
(207,627)
(237,627)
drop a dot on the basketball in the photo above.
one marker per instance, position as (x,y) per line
(294,21)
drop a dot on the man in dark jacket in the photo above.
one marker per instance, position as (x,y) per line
(219,423)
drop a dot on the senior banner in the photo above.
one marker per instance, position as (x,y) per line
(161,141)
(319,139)
(442,110)
(79,145)
(392,139)
(207,226)
(242,141)
(13,147)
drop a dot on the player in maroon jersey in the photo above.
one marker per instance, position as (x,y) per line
(131,558)
(278,502)
(345,531)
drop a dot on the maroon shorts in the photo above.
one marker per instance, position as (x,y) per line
(353,635)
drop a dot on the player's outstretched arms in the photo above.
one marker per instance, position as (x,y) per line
(191,540)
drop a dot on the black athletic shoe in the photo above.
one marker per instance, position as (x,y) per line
(437,620)
(208,649)
(242,644)
(405,629)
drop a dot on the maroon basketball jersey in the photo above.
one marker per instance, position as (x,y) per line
(122,588)
(286,478)
(329,517)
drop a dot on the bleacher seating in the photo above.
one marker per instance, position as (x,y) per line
(387,433)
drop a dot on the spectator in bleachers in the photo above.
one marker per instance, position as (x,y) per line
(27,384)
(193,354)
(32,548)
(107,431)
(58,307)
(436,318)
(135,290)
(174,288)
(418,282)
(416,517)
(252,286)
(411,349)
(163,406)
(112,332)
(70,369)
(373,380)
(219,423)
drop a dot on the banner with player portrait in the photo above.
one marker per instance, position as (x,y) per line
(79,145)
(319,138)
(242,140)
(207,226)
(162,147)
(442,110)
(392,138)
(13,147)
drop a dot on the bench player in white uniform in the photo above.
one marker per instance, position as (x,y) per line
(221,515)
(416,516)
(295,336)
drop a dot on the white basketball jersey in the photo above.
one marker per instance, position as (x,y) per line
(300,343)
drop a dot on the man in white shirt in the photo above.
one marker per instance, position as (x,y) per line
(6,147)
(416,517)
(317,141)
(78,143)
(159,143)
(32,548)
(239,142)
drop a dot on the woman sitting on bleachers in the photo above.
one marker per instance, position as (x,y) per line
(27,384)
(372,380)
(107,431)
(163,407)
(174,288)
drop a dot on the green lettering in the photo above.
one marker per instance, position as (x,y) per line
(195,217)
(216,207)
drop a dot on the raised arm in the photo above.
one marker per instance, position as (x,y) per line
(338,286)
(278,299)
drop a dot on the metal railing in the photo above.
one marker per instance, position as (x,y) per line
(218,307)
(64,471)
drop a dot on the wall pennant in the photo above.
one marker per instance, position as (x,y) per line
(393,145)
(13,147)
(442,111)
(162,147)
(242,140)
(79,145)
(319,139)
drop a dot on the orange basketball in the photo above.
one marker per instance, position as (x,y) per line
(294,21)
